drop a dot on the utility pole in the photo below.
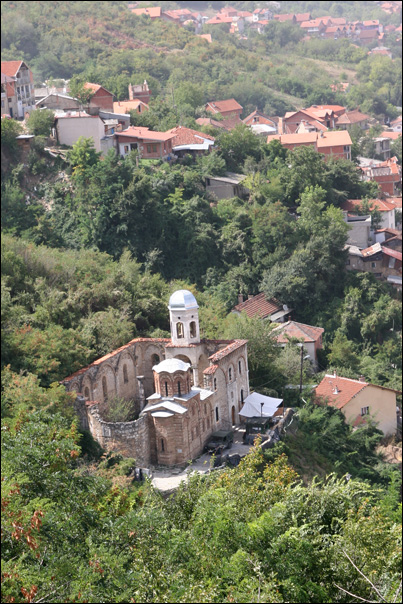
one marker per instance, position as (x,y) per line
(302,367)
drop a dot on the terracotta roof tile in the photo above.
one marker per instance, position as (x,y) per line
(127,106)
(10,68)
(210,370)
(227,350)
(145,134)
(339,391)
(153,11)
(187,136)
(292,329)
(353,205)
(258,306)
(391,252)
(392,135)
(227,105)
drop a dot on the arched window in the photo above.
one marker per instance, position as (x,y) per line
(125,376)
(155,359)
(215,383)
(179,330)
(217,414)
(208,423)
(104,389)
(192,327)
(166,388)
(162,445)
(240,367)
(241,396)
(87,393)
(179,388)
(230,374)
(232,396)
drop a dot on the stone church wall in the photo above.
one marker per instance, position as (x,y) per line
(131,439)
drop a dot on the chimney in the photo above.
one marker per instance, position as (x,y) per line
(362,379)
(336,390)
(250,296)
(240,298)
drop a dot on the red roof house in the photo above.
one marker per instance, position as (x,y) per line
(308,335)
(359,400)
(260,306)
(101,98)
(149,144)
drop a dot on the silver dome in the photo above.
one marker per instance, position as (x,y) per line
(182,299)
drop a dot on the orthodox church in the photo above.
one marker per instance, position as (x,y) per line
(184,388)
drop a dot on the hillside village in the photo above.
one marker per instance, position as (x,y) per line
(201,301)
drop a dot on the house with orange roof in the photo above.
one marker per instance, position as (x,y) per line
(148,143)
(229,108)
(262,14)
(258,119)
(308,335)
(302,17)
(352,118)
(391,7)
(383,261)
(127,106)
(101,98)
(387,174)
(154,12)
(396,124)
(262,307)
(18,88)
(190,142)
(140,92)
(384,206)
(359,401)
(331,144)
(282,18)
(208,121)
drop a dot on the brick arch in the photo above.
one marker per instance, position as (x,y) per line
(126,368)
(145,366)
(87,385)
(108,372)
(244,366)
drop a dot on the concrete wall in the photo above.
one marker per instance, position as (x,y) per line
(382,408)
(359,232)
(69,129)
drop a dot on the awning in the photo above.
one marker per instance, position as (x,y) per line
(253,408)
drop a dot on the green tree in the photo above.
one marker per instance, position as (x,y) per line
(10,129)
(40,122)
(82,157)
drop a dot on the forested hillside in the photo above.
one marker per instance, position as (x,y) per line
(92,248)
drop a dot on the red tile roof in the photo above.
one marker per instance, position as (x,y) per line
(285,17)
(292,329)
(392,135)
(153,11)
(95,87)
(322,140)
(353,205)
(10,68)
(224,106)
(187,136)
(207,121)
(339,391)
(391,252)
(352,117)
(301,17)
(112,354)
(127,106)
(218,19)
(145,134)
(258,306)
(227,350)
(210,370)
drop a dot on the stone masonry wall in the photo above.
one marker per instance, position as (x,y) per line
(131,439)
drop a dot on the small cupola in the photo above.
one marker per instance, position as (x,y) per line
(172,378)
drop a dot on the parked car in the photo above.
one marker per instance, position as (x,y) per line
(255,426)
(220,440)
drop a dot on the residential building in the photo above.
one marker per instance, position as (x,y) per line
(226,187)
(291,18)
(382,146)
(260,306)
(359,400)
(184,388)
(70,126)
(154,12)
(330,144)
(393,136)
(352,118)
(8,96)
(308,335)
(207,121)
(227,109)
(58,102)
(148,144)
(126,106)
(261,123)
(359,233)
(19,88)
(262,14)
(382,261)
(391,238)
(386,208)
(101,98)
(190,142)
(140,92)
(388,175)
(396,124)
